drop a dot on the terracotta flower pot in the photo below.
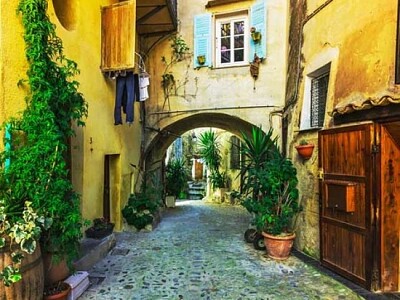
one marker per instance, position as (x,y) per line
(305,151)
(58,291)
(278,247)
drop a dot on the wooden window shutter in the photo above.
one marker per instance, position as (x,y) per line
(202,39)
(258,18)
(118,30)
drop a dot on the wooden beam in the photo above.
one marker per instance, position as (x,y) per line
(220,2)
(375,113)
(150,14)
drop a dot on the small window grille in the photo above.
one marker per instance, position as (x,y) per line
(235,153)
(319,91)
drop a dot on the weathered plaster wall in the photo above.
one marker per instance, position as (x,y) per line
(81,39)
(359,40)
(82,43)
(212,89)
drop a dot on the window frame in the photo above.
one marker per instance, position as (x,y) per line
(306,112)
(232,18)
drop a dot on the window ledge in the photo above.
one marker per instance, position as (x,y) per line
(213,3)
(311,129)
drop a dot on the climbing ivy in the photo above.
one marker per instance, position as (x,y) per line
(38,171)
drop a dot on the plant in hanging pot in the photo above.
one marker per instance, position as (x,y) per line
(201,59)
(255,35)
(305,149)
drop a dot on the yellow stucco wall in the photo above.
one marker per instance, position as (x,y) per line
(81,38)
(358,38)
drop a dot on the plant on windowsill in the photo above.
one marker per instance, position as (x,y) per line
(305,149)
(100,229)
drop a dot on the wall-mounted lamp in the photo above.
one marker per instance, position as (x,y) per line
(194,137)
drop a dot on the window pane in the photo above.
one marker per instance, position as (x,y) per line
(239,41)
(225,29)
(239,27)
(225,43)
(225,57)
(239,55)
(319,90)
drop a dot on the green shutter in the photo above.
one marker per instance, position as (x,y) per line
(202,39)
(258,20)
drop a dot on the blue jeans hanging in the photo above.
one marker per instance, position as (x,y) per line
(125,88)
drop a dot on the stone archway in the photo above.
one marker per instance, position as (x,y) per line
(161,138)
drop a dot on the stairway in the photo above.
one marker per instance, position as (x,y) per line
(197,190)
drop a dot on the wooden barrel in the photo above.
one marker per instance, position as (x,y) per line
(32,283)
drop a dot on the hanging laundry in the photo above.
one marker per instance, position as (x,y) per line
(144,82)
(124,97)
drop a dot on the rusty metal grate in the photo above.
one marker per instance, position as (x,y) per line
(120,251)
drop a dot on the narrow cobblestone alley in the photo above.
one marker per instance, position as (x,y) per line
(198,252)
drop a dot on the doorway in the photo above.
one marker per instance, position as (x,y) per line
(359,203)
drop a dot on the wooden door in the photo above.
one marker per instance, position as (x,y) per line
(346,210)
(389,204)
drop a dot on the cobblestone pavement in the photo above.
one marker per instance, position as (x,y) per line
(198,252)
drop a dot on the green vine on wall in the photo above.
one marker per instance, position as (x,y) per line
(38,172)
(180,51)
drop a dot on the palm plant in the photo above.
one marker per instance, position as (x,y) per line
(209,149)
(257,149)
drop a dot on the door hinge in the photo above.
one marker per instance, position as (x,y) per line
(375,148)
(321,174)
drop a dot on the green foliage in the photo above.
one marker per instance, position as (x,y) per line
(139,211)
(176,177)
(303,142)
(38,171)
(209,149)
(179,51)
(270,185)
(218,179)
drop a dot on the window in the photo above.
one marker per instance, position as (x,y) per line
(231,41)
(235,153)
(319,91)
(315,97)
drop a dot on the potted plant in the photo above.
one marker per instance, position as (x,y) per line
(277,205)
(305,149)
(201,59)
(255,35)
(100,229)
(57,291)
(140,211)
(176,180)
(269,188)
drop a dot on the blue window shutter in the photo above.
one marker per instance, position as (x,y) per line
(7,139)
(202,39)
(258,21)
